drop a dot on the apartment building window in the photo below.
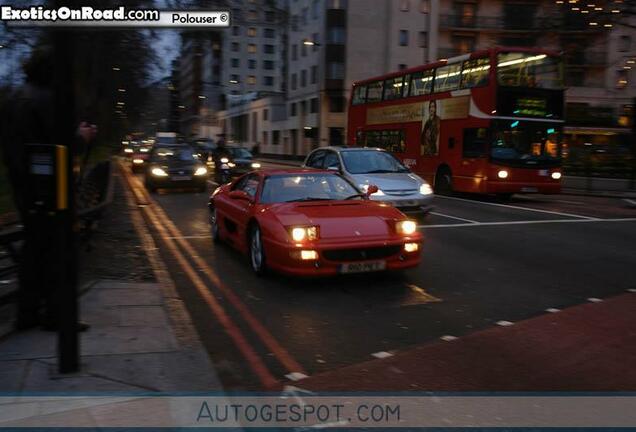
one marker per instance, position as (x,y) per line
(251,64)
(275,137)
(270,17)
(252,15)
(303,78)
(234,78)
(236,31)
(265,138)
(292,109)
(268,65)
(265,114)
(251,80)
(313,105)
(269,33)
(466,13)
(404,38)
(235,63)
(294,81)
(268,81)
(251,48)
(336,35)
(402,66)
(405,5)
(625,43)
(251,32)
(268,49)
(304,16)
(337,104)
(314,74)
(424,6)
(303,50)
(423,39)
(236,47)
(294,52)
(335,70)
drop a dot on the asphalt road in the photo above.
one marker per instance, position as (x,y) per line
(484,263)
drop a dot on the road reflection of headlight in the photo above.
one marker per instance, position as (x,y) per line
(200,171)
(556,175)
(425,189)
(158,172)
(406,227)
(502,174)
(256,165)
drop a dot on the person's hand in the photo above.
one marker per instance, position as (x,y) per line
(88,132)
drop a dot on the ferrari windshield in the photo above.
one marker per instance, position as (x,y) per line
(307,187)
(371,162)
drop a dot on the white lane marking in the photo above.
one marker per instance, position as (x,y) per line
(191,237)
(453,217)
(382,354)
(517,207)
(553,310)
(527,198)
(448,338)
(526,222)
(594,300)
(505,323)
(295,376)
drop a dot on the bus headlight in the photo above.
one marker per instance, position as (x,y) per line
(556,175)
(158,172)
(406,227)
(425,189)
(256,165)
(200,171)
(502,174)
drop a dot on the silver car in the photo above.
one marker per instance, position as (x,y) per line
(366,166)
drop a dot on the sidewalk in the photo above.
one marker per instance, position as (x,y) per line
(590,347)
(141,336)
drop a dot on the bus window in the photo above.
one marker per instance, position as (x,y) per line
(359,95)
(475,73)
(475,143)
(393,88)
(374,92)
(390,140)
(529,70)
(447,77)
(421,83)
(405,88)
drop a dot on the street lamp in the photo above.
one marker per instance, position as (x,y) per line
(308,42)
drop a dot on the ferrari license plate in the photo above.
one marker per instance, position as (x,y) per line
(181,178)
(363,267)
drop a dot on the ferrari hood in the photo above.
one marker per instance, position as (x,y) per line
(339,219)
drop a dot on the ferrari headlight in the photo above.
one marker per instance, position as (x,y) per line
(224,160)
(406,227)
(158,172)
(256,165)
(425,189)
(200,171)
(299,234)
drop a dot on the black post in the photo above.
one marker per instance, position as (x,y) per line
(632,182)
(65,130)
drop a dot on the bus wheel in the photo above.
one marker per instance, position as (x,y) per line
(443,181)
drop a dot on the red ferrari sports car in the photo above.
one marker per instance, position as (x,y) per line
(310,222)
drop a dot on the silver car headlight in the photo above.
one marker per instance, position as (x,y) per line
(425,189)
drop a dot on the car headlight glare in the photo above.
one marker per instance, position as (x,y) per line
(406,227)
(299,234)
(231,164)
(556,175)
(128,150)
(502,174)
(224,160)
(159,172)
(256,165)
(138,161)
(200,171)
(425,189)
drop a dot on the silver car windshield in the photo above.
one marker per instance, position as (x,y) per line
(372,162)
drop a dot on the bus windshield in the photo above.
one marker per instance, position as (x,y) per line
(516,69)
(524,141)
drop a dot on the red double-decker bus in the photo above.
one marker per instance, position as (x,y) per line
(487,122)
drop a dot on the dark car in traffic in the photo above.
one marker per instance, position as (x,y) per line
(175,167)
(230,162)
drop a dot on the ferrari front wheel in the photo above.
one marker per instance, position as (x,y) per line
(257,254)
(214,225)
